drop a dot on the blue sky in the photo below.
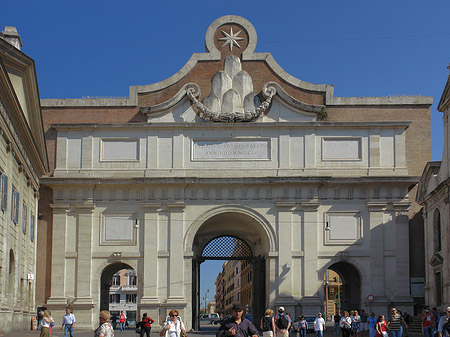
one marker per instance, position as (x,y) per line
(363,48)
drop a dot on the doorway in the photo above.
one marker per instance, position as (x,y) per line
(342,283)
(119,292)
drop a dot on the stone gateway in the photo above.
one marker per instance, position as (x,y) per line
(234,146)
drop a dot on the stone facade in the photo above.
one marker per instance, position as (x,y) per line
(232,145)
(433,194)
(23,159)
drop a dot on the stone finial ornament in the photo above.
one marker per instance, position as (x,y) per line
(232,98)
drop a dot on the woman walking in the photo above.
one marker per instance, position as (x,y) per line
(146,325)
(268,324)
(346,324)
(173,326)
(356,320)
(302,326)
(45,325)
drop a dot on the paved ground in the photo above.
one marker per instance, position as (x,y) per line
(207,331)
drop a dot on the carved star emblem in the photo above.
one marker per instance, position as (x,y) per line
(231,39)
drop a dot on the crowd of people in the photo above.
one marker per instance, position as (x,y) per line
(353,324)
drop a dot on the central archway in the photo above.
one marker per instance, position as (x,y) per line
(246,236)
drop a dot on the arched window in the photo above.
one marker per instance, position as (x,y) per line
(437,230)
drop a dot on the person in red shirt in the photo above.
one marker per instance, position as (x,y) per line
(122,320)
(381,327)
(146,325)
(427,322)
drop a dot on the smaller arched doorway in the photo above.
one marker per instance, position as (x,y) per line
(342,284)
(118,291)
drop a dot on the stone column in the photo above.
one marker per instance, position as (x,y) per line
(176,257)
(377,272)
(310,300)
(57,294)
(84,254)
(149,279)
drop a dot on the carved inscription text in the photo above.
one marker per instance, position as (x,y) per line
(231,150)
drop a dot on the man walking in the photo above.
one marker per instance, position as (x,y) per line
(319,325)
(427,322)
(68,322)
(122,320)
(237,326)
(283,323)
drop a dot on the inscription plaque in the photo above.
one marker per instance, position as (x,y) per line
(228,150)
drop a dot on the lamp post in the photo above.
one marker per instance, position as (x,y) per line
(206,301)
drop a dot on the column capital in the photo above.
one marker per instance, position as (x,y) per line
(285,206)
(85,208)
(311,206)
(376,206)
(151,207)
(60,208)
(176,206)
(402,207)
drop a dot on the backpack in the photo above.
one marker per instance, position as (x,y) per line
(267,323)
(282,322)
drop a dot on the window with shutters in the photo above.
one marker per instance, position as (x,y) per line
(15,205)
(32,220)
(24,218)
(3,191)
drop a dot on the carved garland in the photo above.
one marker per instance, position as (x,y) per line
(193,91)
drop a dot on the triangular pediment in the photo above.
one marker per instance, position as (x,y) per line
(436,260)
(445,98)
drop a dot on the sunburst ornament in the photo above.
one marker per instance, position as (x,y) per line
(231,39)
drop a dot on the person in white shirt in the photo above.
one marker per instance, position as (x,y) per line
(445,319)
(319,325)
(68,322)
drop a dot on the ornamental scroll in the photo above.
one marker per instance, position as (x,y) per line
(231,98)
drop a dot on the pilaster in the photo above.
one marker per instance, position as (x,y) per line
(310,300)
(377,277)
(149,280)
(57,296)
(176,257)
(284,228)
(84,250)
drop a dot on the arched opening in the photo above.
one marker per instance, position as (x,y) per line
(342,284)
(238,246)
(11,273)
(118,292)
(437,231)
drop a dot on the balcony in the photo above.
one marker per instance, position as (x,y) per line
(129,288)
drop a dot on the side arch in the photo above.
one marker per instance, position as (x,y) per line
(204,217)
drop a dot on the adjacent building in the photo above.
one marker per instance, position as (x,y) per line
(231,146)
(434,195)
(23,160)
(123,295)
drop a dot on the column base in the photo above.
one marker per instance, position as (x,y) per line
(178,300)
(311,305)
(150,300)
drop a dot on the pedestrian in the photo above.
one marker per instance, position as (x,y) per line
(268,324)
(337,321)
(45,324)
(381,327)
(363,325)
(319,325)
(427,322)
(282,323)
(371,323)
(395,323)
(51,324)
(105,329)
(122,320)
(237,326)
(173,326)
(146,325)
(346,324)
(302,326)
(437,317)
(444,324)
(356,321)
(408,320)
(39,318)
(68,322)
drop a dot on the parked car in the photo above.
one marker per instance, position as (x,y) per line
(209,318)
(309,319)
(220,321)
